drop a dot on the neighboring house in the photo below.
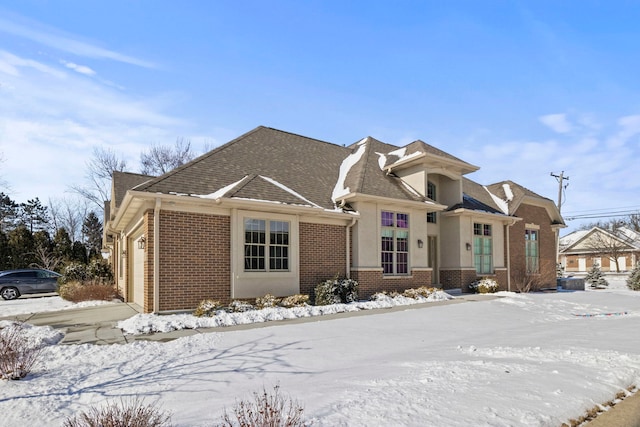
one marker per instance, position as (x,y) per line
(274,212)
(617,251)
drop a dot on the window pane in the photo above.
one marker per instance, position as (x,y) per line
(387,262)
(477,229)
(403,221)
(387,219)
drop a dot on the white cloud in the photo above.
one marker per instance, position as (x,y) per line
(54,38)
(82,69)
(556,122)
(51,119)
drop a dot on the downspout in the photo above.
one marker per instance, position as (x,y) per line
(156,256)
(508,227)
(348,251)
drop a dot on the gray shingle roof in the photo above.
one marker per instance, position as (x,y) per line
(123,181)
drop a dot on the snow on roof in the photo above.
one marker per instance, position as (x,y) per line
(289,190)
(382,160)
(407,157)
(221,192)
(399,152)
(507,191)
(504,207)
(340,190)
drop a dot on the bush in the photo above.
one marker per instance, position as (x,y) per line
(17,354)
(266,410)
(298,300)
(95,271)
(238,306)
(267,301)
(131,414)
(89,290)
(525,282)
(422,291)
(633,281)
(208,308)
(484,286)
(336,291)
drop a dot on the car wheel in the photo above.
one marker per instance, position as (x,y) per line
(9,293)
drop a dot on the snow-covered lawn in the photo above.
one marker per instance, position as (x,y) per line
(39,304)
(520,360)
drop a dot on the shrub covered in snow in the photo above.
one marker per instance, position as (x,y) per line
(266,409)
(422,291)
(267,301)
(95,271)
(595,278)
(208,308)
(124,414)
(239,306)
(297,300)
(633,281)
(336,291)
(484,286)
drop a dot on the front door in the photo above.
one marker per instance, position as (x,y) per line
(432,245)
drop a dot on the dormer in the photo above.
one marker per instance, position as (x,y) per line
(430,171)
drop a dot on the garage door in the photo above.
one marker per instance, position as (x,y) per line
(137,274)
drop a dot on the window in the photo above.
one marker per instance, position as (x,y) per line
(395,243)
(482,248)
(431,193)
(262,254)
(531,251)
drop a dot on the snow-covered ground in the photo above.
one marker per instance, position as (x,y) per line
(39,304)
(520,360)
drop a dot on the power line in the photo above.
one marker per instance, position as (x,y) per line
(585,211)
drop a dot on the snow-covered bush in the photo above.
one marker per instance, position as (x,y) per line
(266,409)
(17,353)
(124,414)
(208,308)
(595,278)
(95,271)
(422,291)
(484,286)
(298,300)
(238,306)
(267,301)
(633,281)
(336,291)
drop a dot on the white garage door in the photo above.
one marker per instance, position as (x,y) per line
(137,275)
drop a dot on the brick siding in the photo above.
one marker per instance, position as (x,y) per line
(195,260)
(322,254)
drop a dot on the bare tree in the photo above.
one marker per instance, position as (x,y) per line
(160,159)
(99,172)
(612,241)
(633,222)
(68,213)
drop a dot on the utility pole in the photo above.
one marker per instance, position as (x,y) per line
(560,179)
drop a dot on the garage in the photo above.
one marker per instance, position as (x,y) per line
(137,270)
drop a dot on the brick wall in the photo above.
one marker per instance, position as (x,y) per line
(546,246)
(372,281)
(457,278)
(322,254)
(195,260)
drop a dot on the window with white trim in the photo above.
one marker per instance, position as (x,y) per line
(262,254)
(395,243)
(482,248)
(531,251)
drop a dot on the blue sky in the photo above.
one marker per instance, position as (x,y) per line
(519,88)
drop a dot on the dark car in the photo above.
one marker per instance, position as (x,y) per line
(14,283)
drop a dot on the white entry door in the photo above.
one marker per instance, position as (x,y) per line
(582,264)
(138,274)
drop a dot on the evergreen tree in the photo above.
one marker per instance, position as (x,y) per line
(92,232)
(8,213)
(79,252)
(595,277)
(633,281)
(21,247)
(34,215)
(62,245)
(4,252)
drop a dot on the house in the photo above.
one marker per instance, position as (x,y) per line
(274,212)
(612,250)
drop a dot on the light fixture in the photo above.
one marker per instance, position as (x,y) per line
(468,246)
(142,242)
(420,243)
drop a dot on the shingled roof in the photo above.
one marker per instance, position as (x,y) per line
(283,167)
(124,181)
